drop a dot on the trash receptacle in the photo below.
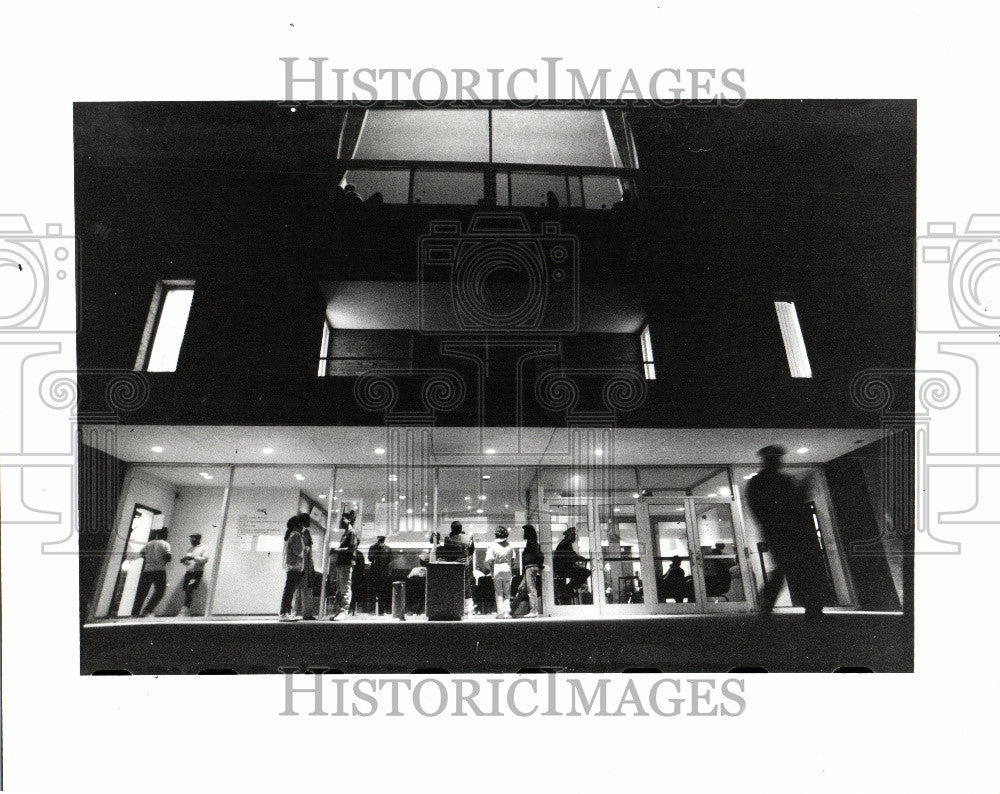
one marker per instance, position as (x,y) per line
(399,600)
(445,590)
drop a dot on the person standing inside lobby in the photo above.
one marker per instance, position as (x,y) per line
(461,547)
(155,555)
(344,564)
(380,571)
(500,562)
(293,558)
(195,559)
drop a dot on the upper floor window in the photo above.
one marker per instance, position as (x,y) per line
(791,336)
(646,341)
(165,326)
(492,157)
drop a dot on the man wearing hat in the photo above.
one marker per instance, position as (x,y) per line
(778,502)
(195,559)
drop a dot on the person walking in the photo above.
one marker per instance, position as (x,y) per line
(155,555)
(779,503)
(531,558)
(293,558)
(194,558)
(500,562)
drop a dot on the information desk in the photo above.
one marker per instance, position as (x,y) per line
(445,590)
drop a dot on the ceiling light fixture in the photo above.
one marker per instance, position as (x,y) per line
(490,451)
(299,477)
(156,449)
(379,450)
(268,450)
(802,450)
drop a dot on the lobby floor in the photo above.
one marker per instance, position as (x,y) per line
(844,641)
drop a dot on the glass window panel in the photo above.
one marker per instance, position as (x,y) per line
(559,481)
(720,563)
(443,187)
(424,135)
(170,329)
(177,500)
(263,498)
(553,137)
(393,185)
(601,192)
(685,481)
(533,190)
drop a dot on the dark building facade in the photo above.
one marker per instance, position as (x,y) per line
(587,317)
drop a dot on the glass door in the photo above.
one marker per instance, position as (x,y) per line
(697,556)
(570,557)
(624,570)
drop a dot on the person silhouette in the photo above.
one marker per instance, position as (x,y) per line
(778,502)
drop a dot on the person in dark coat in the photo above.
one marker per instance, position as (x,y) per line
(569,569)
(778,502)
(380,573)
(461,547)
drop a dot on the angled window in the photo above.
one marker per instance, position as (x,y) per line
(578,157)
(791,335)
(648,367)
(165,326)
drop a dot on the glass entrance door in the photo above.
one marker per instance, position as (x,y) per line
(624,570)
(698,556)
(571,548)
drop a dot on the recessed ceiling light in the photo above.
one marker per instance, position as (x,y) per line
(322,496)
(203,474)
(340,490)
(618,509)
(156,449)
(486,476)
(379,450)
(480,511)
(268,450)
(393,478)
(598,452)
(409,511)
(299,477)
(209,477)
(467,498)
(680,509)
(490,451)
(383,498)
(635,495)
(802,450)
(576,479)
(482,496)
(507,507)
(402,497)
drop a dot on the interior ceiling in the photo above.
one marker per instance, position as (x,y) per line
(394,305)
(302,446)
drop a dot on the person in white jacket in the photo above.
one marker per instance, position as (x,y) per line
(499,560)
(195,560)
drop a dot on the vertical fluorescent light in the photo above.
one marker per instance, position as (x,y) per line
(170,329)
(791,335)
(649,368)
(324,348)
